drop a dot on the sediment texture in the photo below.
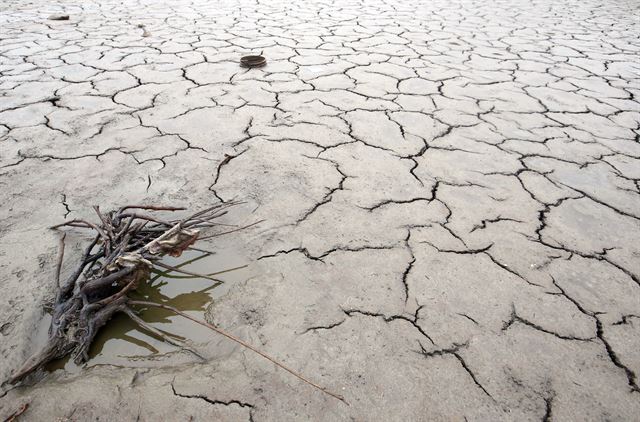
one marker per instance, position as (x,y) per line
(451,192)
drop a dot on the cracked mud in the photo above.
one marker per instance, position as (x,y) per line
(451,193)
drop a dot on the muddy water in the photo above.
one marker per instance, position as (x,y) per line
(121,342)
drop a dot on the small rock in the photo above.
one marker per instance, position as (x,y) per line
(145,33)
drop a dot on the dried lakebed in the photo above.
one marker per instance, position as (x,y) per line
(451,195)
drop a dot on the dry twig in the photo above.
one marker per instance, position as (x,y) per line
(237,340)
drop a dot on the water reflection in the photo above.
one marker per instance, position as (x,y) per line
(121,340)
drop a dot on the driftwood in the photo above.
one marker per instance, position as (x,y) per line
(128,243)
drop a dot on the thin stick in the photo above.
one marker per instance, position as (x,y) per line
(81,223)
(73,223)
(60,257)
(105,223)
(199,221)
(153,330)
(146,217)
(179,270)
(230,231)
(88,225)
(150,207)
(201,250)
(165,274)
(203,214)
(180,265)
(240,342)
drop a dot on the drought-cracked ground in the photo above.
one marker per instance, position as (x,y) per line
(451,195)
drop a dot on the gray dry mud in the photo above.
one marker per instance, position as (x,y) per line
(451,192)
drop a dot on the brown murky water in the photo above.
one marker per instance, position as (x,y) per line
(121,342)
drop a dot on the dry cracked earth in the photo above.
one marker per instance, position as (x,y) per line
(450,189)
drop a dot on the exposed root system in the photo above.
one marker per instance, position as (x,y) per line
(128,243)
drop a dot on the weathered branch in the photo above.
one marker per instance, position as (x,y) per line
(60,258)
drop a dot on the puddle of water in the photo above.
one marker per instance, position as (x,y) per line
(121,341)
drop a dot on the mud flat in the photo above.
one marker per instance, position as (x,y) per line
(450,192)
